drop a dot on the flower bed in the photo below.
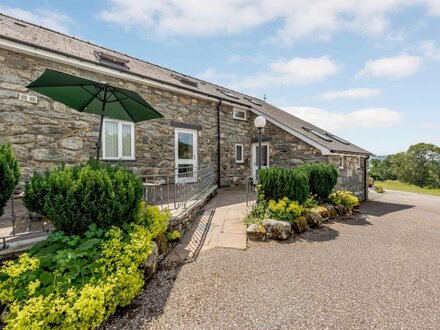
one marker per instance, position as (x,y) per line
(94,261)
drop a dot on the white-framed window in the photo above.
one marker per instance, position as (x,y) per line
(239,153)
(341,162)
(118,138)
(239,114)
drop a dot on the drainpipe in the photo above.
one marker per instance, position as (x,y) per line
(366,178)
(218,141)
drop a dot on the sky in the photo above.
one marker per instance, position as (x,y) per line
(368,71)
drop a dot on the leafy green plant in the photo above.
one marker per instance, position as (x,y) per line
(322,178)
(9,174)
(173,236)
(285,209)
(73,282)
(36,191)
(310,202)
(259,211)
(345,198)
(379,188)
(283,182)
(75,197)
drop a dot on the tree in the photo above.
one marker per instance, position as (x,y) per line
(423,165)
(381,169)
(9,174)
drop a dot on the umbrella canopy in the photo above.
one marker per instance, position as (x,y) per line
(94,97)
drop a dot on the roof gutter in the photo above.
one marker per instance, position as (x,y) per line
(63,57)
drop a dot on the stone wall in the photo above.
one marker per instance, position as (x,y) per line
(46,134)
(351,177)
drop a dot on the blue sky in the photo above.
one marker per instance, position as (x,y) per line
(368,71)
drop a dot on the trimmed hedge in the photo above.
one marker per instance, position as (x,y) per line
(75,197)
(322,178)
(278,183)
(9,174)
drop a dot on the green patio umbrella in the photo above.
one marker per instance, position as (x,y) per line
(95,97)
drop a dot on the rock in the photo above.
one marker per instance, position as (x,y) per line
(46,155)
(22,138)
(313,219)
(256,232)
(72,143)
(322,211)
(280,230)
(149,266)
(332,212)
(300,225)
(342,210)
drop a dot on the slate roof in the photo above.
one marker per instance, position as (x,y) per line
(43,38)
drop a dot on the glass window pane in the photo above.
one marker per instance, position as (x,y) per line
(239,114)
(238,153)
(185,145)
(111,139)
(126,140)
(264,156)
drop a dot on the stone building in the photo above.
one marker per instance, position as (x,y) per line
(45,133)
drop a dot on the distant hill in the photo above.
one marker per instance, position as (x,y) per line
(379,157)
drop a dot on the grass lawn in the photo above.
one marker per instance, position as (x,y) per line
(397,185)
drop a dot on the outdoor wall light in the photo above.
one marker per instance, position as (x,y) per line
(260,122)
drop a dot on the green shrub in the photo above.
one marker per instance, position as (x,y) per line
(345,198)
(284,209)
(322,178)
(76,282)
(9,174)
(379,188)
(76,197)
(175,235)
(310,202)
(35,192)
(259,212)
(281,182)
(151,217)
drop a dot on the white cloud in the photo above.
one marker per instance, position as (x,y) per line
(298,18)
(351,93)
(295,71)
(334,121)
(430,50)
(49,19)
(392,67)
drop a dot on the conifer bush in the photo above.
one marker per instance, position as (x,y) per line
(278,183)
(322,178)
(9,174)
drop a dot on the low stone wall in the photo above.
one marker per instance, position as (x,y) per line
(183,221)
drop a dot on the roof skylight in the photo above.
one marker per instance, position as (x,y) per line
(185,80)
(337,138)
(111,60)
(253,101)
(228,93)
(311,130)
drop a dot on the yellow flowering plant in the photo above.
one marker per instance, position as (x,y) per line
(284,209)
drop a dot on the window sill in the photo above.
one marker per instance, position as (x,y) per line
(242,119)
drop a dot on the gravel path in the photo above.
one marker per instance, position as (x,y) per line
(380,269)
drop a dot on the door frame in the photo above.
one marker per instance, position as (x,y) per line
(254,164)
(193,161)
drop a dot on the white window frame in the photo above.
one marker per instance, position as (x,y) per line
(133,134)
(242,153)
(341,167)
(235,110)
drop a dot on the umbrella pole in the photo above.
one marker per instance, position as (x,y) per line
(99,143)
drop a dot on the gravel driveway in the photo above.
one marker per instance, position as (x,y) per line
(379,269)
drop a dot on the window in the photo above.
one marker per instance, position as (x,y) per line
(337,138)
(118,140)
(239,153)
(341,162)
(239,114)
(253,101)
(311,130)
(112,61)
(185,80)
(228,93)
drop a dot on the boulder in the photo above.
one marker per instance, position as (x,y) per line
(342,210)
(331,209)
(256,232)
(280,230)
(313,219)
(299,225)
(149,266)
(322,211)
